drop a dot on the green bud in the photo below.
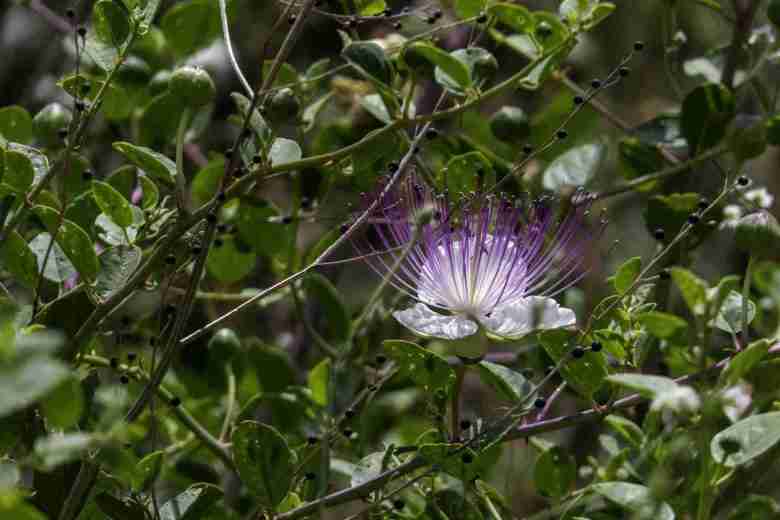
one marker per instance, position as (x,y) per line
(193,86)
(224,345)
(49,121)
(485,67)
(758,234)
(160,81)
(283,107)
(510,124)
(134,70)
(773,130)
(773,12)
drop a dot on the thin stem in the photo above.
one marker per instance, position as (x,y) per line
(745,334)
(181,180)
(231,402)
(457,388)
(229,46)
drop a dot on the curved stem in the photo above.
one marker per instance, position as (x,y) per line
(181,180)
(745,301)
(229,45)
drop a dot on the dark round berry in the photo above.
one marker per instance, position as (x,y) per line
(70,12)
(257,159)
(170,259)
(344,228)
(291,19)
(397,26)
(310,476)
(131,356)
(228,153)
(347,432)
(175,401)
(124,379)
(578,100)
(540,402)
(430,20)
(196,250)
(665,274)
(287,219)
(431,133)
(82,31)
(467,458)
(743,180)
(86,87)
(528,149)
(218,242)
(638,46)
(578,352)
(312,440)
(87,175)
(703,204)
(221,196)
(482,18)
(125,321)
(465,424)
(693,219)
(349,413)
(437,14)
(114,362)
(381,360)
(624,71)
(596,83)
(562,134)
(80,106)
(393,166)
(398,504)
(659,234)
(211,218)
(595,346)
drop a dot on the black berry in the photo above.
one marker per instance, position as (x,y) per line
(638,46)
(743,180)
(562,134)
(577,352)
(659,234)
(596,83)
(540,402)
(595,346)
(175,401)
(114,362)
(465,424)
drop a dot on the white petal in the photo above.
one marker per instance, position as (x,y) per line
(528,315)
(425,322)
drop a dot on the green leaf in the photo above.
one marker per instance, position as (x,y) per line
(258,224)
(256,121)
(112,203)
(598,14)
(661,324)
(102,54)
(64,405)
(153,163)
(745,440)
(741,364)
(670,212)
(286,77)
(265,463)
(639,158)
(188,26)
(627,274)
(229,263)
(755,507)
(74,242)
(692,288)
(111,21)
(706,112)
(58,267)
(284,151)
(57,449)
(627,429)
(514,16)
(549,30)
(375,106)
(649,386)
(117,509)
(151,195)
(585,375)
(319,382)
(468,172)
(369,59)
(28,380)
(635,498)
(18,172)
(195,503)
(506,382)
(729,318)
(480,64)
(469,8)
(19,260)
(555,472)
(117,264)
(15,124)
(336,317)
(159,120)
(427,369)
(117,103)
(575,167)
(447,65)
(147,470)
(13,506)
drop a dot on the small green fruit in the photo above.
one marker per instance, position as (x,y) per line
(160,81)
(224,345)
(283,107)
(49,121)
(758,234)
(485,67)
(193,86)
(510,124)
(417,62)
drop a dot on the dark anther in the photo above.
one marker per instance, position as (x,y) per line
(437,215)
(380,359)
(175,401)
(693,219)
(257,159)
(743,180)
(659,234)
(170,259)
(347,432)
(221,196)
(528,149)
(465,424)
(114,362)
(624,71)
(431,133)
(344,228)
(70,13)
(87,175)
(638,46)
(398,504)
(124,379)
(467,458)
(218,242)
(131,356)
(482,18)
(196,250)
(211,218)
(312,440)
(578,100)
(349,413)
(577,352)
(310,476)
(540,402)
(596,83)
(595,346)
(82,31)
(703,204)
(562,134)
(664,274)
(80,106)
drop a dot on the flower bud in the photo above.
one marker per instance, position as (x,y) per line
(49,121)
(224,345)
(193,86)
(758,234)
(510,124)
